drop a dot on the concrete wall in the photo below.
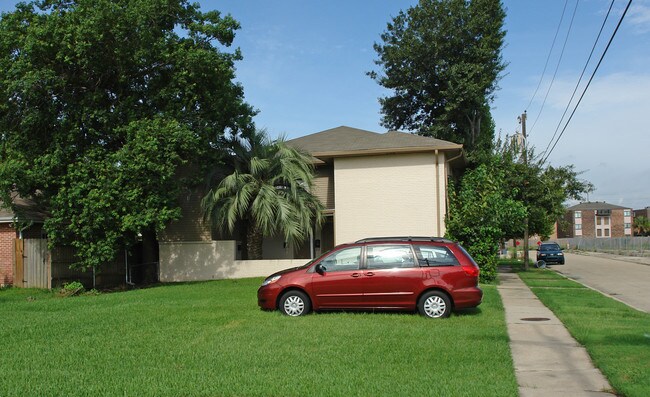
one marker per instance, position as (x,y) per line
(213,260)
(389,195)
(276,248)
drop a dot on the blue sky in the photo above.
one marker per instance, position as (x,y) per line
(305,62)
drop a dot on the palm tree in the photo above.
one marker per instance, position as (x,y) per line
(641,226)
(269,191)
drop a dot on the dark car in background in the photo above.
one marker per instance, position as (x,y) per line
(432,275)
(550,253)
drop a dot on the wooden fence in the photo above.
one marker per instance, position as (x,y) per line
(32,263)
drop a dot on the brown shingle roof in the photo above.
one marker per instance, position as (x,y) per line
(6,215)
(27,208)
(347,141)
(596,206)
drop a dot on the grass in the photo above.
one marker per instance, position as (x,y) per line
(616,336)
(205,339)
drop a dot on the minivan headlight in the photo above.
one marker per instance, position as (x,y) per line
(270,280)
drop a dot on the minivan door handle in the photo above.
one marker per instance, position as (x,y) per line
(370,274)
(356,274)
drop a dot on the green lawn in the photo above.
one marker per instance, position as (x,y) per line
(211,339)
(616,336)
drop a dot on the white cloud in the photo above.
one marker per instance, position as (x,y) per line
(639,17)
(607,137)
(613,90)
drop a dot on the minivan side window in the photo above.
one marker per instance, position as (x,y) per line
(431,255)
(345,259)
(389,256)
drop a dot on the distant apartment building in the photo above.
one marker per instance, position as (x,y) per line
(642,212)
(597,220)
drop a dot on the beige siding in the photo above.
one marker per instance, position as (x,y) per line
(324,185)
(190,227)
(389,195)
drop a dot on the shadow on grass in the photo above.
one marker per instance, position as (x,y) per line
(474,311)
(396,312)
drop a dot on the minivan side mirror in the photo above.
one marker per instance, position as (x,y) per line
(320,269)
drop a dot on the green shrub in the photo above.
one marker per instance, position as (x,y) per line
(481,215)
(72,288)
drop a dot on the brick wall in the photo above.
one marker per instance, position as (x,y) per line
(7,237)
(643,212)
(588,223)
(617,223)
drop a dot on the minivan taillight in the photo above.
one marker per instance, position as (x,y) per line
(471,270)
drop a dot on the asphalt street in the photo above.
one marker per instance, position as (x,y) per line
(623,280)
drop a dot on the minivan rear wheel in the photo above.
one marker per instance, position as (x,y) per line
(295,303)
(434,304)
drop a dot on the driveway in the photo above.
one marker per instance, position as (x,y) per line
(623,280)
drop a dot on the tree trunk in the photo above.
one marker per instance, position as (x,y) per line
(254,239)
(474,127)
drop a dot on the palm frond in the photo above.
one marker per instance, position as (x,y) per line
(270,187)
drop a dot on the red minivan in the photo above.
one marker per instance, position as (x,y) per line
(430,274)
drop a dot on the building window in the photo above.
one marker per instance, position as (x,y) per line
(627,213)
(606,232)
(578,214)
(627,225)
(578,226)
(599,232)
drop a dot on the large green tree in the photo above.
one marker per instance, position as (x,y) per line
(268,191)
(442,59)
(101,102)
(492,201)
(482,212)
(542,188)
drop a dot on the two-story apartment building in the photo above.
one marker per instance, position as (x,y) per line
(372,184)
(378,184)
(645,212)
(597,220)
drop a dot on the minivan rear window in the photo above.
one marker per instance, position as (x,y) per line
(432,255)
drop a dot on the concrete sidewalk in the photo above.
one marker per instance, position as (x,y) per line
(547,360)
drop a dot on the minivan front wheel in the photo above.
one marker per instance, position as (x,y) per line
(434,304)
(295,303)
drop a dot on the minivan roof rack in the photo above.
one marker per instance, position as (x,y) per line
(404,238)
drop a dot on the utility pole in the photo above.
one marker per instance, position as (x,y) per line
(524,188)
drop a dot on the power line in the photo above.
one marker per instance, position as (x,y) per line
(548,57)
(579,79)
(620,21)
(566,39)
